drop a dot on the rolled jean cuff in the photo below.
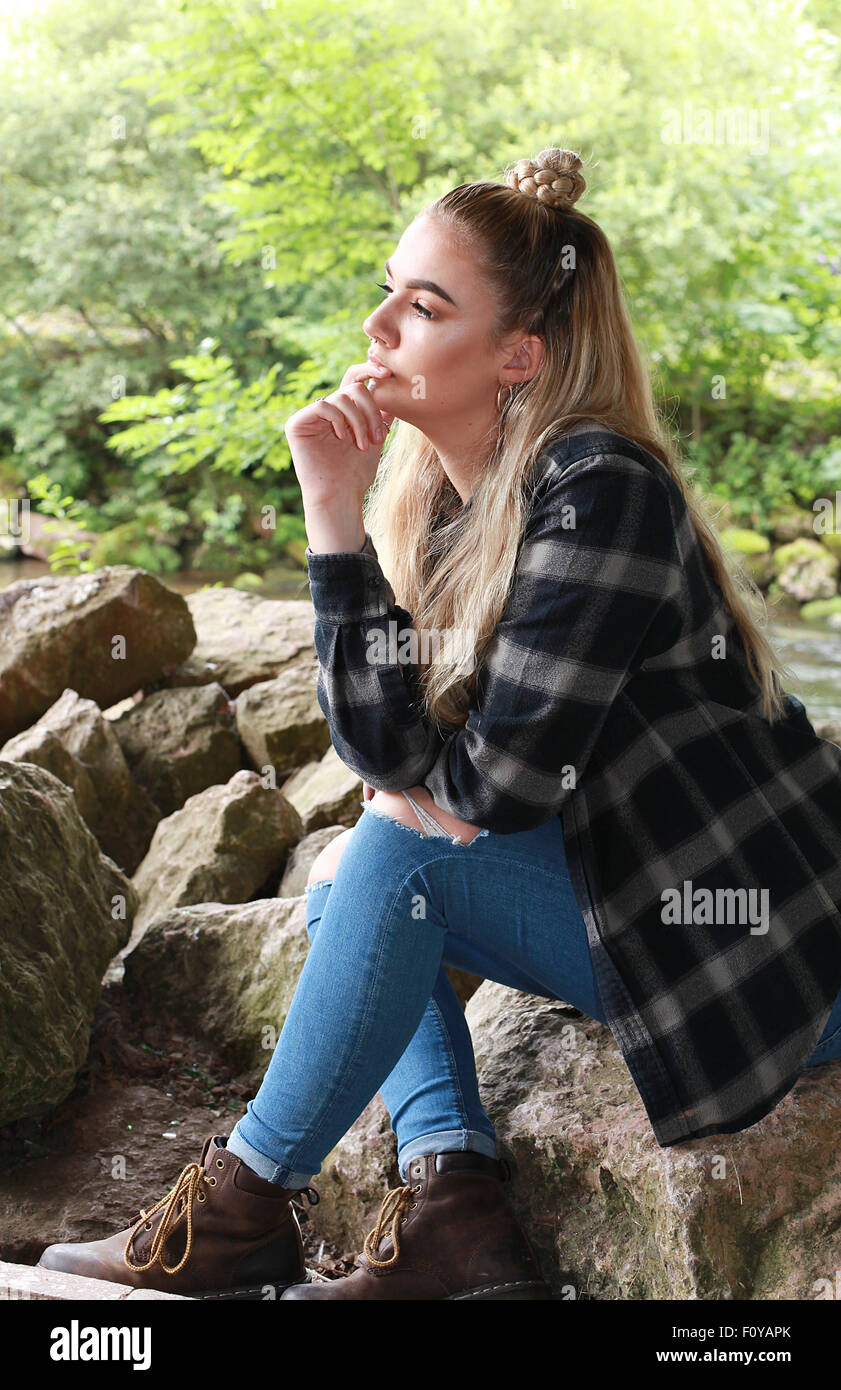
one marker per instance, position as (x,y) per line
(262,1165)
(446,1141)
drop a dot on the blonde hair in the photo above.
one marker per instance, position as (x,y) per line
(452,567)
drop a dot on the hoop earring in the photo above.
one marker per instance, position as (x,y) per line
(504,386)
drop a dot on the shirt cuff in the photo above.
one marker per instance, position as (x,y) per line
(348,585)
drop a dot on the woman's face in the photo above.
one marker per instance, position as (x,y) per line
(434,337)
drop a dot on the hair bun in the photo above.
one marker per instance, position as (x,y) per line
(552,177)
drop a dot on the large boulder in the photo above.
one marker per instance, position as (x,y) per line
(76,743)
(220,847)
(754,1215)
(65,909)
(302,858)
(325,793)
(244,638)
(280,721)
(180,742)
(227,973)
(103,634)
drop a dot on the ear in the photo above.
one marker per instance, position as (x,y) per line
(525,360)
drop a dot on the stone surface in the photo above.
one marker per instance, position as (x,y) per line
(103,634)
(325,793)
(302,857)
(227,973)
(244,638)
(74,742)
(355,1177)
(28,1282)
(219,848)
(280,721)
(179,742)
(752,1215)
(830,729)
(805,570)
(64,910)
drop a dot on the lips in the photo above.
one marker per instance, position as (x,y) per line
(377,363)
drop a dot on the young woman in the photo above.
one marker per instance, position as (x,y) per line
(590,783)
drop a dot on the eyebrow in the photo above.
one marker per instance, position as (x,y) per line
(425,285)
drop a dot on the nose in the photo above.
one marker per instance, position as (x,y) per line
(376,324)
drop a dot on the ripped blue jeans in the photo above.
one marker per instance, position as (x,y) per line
(374,1009)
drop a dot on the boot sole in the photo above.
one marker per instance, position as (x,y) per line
(256,1293)
(514,1289)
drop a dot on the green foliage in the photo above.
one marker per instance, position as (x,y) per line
(758,476)
(214,419)
(198,200)
(66,553)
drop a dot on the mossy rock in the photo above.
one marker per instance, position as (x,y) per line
(249,581)
(296,550)
(131,544)
(831,540)
(820,609)
(750,551)
(790,523)
(806,570)
(743,541)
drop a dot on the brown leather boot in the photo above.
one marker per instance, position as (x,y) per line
(459,1239)
(221,1232)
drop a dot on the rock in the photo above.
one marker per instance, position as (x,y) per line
(50,1285)
(103,634)
(244,638)
(227,973)
(751,551)
(830,729)
(822,610)
(219,848)
(280,721)
(77,744)
(325,793)
(753,1215)
(806,570)
(831,540)
(788,523)
(355,1177)
(65,909)
(179,742)
(294,881)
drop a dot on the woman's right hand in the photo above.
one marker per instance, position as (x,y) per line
(336,442)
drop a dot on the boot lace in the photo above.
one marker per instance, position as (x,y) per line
(178,1204)
(394,1205)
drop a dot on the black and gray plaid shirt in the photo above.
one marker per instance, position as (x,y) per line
(704,845)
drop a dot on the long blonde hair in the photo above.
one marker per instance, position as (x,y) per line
(452,567)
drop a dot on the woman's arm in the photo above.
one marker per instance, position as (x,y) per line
(594,593)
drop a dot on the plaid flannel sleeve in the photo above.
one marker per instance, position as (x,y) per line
(598,565)
(370,697)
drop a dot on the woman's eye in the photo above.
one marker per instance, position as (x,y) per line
(424,313)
